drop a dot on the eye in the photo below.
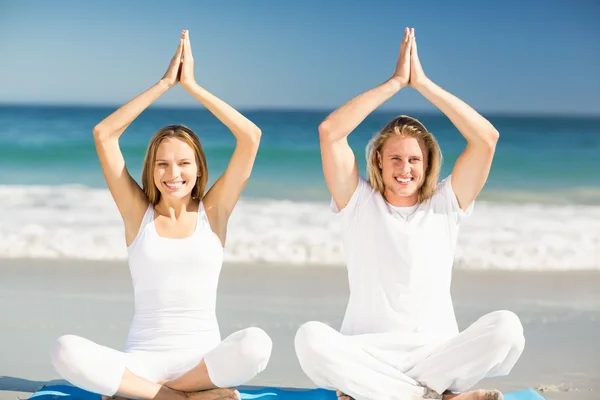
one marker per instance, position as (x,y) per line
(186,163)
(415,159)
(395,158)
(162,164)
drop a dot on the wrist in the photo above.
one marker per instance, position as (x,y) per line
(396,83)
(164,84)
(188,83)
(423,85)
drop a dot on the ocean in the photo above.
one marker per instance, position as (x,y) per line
(540,209)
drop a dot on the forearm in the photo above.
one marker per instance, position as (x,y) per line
(118,121)
(475,128)
(242,128)
(344,120)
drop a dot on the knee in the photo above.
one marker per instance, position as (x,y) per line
(239,358)
(508,330)
(310,343)
(255,346)
(64,355)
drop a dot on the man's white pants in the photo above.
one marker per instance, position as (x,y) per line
(390,366)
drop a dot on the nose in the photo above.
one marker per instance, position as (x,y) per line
(174,170)
(405,168)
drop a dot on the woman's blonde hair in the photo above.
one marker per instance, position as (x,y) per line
(404,126)
(188,136)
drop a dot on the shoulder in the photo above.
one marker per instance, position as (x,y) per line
(362,195)
(444,200)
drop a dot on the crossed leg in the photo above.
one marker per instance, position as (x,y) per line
(358,369)
(109,372)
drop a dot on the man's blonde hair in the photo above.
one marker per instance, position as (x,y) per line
(406,127)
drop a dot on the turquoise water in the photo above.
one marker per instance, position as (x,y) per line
(540,211)
(539,158)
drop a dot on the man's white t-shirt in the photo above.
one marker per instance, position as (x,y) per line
(399,262)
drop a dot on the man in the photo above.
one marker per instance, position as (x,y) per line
(399,338)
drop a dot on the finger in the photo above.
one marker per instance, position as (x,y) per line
(178,53)
(413,47)
(179,49)
(404,41)
(188,44)
(185,44)
(407,49)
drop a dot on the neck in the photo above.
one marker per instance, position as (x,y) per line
(400,201)
(174,207)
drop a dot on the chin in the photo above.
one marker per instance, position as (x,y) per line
(175,195)
(404,193)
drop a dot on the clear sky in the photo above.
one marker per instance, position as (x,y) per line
(499,56)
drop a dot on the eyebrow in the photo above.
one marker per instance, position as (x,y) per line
(183,159)
(397,155)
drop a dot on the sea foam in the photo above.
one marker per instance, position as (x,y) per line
(83,223)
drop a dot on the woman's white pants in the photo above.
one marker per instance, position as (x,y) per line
(99,369)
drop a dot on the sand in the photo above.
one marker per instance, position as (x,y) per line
(43,299)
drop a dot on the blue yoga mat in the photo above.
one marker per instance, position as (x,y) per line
(65,392)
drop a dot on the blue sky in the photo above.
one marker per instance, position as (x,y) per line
(500,56)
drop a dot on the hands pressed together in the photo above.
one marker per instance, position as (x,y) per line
(408,70)
(181,68)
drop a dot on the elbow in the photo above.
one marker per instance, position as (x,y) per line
(488,138)
(250,137)
(492,138)
(255,135)
(485,141)
(99,133)
(331,134)
(325,131)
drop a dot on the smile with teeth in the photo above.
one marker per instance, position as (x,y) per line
(174,185)
(404,180)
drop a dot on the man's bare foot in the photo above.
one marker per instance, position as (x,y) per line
(343,396)
(474,395)
(214,394)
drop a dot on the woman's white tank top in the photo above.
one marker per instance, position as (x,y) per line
(175,287)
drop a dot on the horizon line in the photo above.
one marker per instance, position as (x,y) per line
(552,114)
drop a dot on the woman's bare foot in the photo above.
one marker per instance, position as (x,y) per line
(475,395)
(343,396)
(214,394)
(210,394)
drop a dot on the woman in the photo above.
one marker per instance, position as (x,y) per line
(175,234)
(399,338)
